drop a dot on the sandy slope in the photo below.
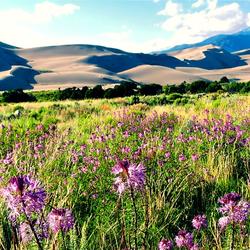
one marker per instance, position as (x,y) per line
(192,53)
(58,66)
(209,57)
(158,74)
(80,65)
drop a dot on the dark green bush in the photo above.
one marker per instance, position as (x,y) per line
(197,86)
(95,93)
(213,87)
(150,89)
(17,96)
(71,93)
(237,87)
(224,79)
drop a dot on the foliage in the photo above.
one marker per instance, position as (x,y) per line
(17,96)
(126,89)
(131,175)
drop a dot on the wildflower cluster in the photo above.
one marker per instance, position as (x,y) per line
(166,159)
(26,199)
(24,195)
(234,210)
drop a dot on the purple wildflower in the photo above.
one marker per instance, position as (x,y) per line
(233,210)
(26,234)
(224,222)
(182,157)
(231,198)
(195,247)
(165,245)
(194,157)
(129,176)
(199,221)
(60,219)
(241,211)
(184,239)
(23,195)
(167,155)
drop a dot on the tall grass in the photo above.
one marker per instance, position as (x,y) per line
(81,142)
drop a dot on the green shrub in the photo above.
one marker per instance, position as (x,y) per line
(18,96)
(150,89)
(174,96)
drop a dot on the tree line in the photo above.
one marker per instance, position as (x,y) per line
(126,88)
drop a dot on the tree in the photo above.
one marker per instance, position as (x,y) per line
(150,89)
(18,96)
(95,93)
(224,79)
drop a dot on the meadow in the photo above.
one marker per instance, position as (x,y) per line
(115,174)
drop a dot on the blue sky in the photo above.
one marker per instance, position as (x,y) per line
(132,25)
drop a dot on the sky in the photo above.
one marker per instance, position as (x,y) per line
(131,25)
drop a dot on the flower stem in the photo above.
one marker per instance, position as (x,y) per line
(32,229)
(135,218)
(146,221)
(233,234)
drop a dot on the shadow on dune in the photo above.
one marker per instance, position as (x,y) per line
(8,58)
(21,75)
(19,78)
(122,62)
(217,59)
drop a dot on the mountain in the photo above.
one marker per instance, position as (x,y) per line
(230,42)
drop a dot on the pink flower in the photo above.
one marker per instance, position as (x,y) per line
(165,245)
(167,155)
(60,219)
(128,176)
(195,157)
(199,221)
(224,222)
(182,157)
(185,239)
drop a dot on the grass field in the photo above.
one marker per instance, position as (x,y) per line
(103,174)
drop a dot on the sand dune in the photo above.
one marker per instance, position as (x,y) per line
(158,74)
(192,53)
(19,77)
(80,65)
(8,58)
(209,57)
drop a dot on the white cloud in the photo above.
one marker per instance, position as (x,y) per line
(46,11)
(212,4)
(187,27)
(171,9)
(198,3)
(21,27)
(43,12)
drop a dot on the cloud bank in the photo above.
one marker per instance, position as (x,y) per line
(18,25)
(205,19)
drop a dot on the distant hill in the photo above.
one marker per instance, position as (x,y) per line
(231,42)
